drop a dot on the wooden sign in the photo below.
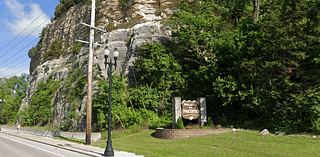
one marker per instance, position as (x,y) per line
(190,109)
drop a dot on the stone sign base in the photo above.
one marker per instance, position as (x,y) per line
(170,134)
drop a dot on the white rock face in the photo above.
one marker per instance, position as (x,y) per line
(59,69)
(136,23)
(108,14)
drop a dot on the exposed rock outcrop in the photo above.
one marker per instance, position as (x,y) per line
(110,14)
(136,23)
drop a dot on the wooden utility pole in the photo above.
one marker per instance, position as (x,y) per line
(89,93)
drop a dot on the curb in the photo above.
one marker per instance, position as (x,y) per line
(61,147)
(47,133)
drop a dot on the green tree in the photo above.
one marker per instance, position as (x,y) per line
(13,91)
(40,109)
(119,99)
(159,76)
(205,44)
(281,64)
(248,67)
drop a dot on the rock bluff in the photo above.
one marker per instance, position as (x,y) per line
(130,25)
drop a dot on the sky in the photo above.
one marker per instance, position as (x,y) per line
(21,22)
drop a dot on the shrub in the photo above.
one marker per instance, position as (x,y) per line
(33,51)
(55,50)
(210,122)
(64,6)
(110,26)
(179,124)
(122,3)
(76,48)
(40,109)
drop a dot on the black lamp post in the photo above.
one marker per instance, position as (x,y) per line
(109,150)
(2,101)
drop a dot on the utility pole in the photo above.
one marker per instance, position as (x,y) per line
(2,101)
(89,93)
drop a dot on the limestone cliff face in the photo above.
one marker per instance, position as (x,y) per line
(110,14)
(133,24)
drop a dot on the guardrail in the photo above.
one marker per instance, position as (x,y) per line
(47,133)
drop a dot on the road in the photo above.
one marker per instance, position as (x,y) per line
(11,146)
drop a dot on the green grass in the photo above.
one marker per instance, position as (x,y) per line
(243,143)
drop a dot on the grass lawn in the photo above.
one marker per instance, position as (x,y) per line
(241,143)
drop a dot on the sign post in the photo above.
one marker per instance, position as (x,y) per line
(203,111)
(176,107)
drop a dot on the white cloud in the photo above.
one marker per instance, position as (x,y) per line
(23,16)
(7,73)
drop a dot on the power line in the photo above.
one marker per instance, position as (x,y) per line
(23,49)
(28,44)
(16,60)
(8,21)
(23,31)
(16,72)
(24,39)
(26,28)
(18,64)
(4,68)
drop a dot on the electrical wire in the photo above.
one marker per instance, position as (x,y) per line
(28,44)
(24,39)
(17,15)
(8,76)
(23,31)
(22,50)
(19,63)
(4,68)
(250,28)
(16,60)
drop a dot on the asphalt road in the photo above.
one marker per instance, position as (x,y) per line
(11,146)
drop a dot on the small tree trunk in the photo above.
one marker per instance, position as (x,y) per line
(256,10)
(121,123)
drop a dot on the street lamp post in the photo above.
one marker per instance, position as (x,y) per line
(109,150)
(2,102)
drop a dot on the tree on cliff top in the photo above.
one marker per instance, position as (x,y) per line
(64,6)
